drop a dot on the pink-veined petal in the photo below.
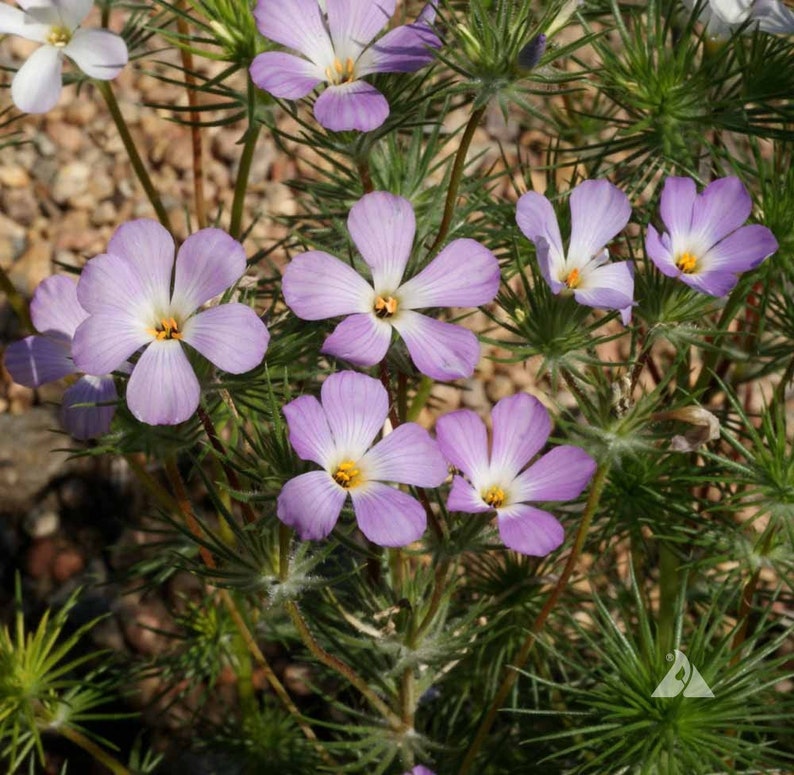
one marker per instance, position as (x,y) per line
(297,24)
(741,251)
(657,248)
(521,426)
(98,53)
(88,407)
(285,75)
(209,262)
(310,504)
(676,204)
(387,516)
(55,308)
(560,475)
(36,86)
(463,440)
(360,339)
(404,49)
(717,283)
(356,105)
(464,497)
(148,248)
(406,455)
(722,207)
(356,407)
(103,342)
(15,22)
(440,350)
(317,286)
(231,336)
(354,23)
(464,274)
(383,226)
(528,530)
(163,388)
(36,360)
(609,286)
(309,433)
(536,218)
(599,210)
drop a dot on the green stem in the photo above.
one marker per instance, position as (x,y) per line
(243,172)
(89,746)
(420,399)
(599,480)
(455,178)
(132,152)
(669,587)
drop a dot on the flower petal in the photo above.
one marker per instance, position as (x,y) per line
(528,530)
(86,410)
(536,218)
(354,23)
(774,17)
(658,250)
(149,249)
(73,12)
(35,360)
(163,389)
(103,342)
(309,433)
(209,262)
(15,22)
(36,86)
(676,204)
(599,210)
(383,226)
(463,440)
(722,208)
(521,426)
(297,24)
(317,286)
(560,475)
(98,53)
(310,504)
(463,497)
(110,284)
(741,251)
(609,286)
(356,407)
(54,308)
(406,455)
(464,274)
(404,49)
(387,516)
(439,350)
(360,339)
(231,336)
(355,105)
(285,75)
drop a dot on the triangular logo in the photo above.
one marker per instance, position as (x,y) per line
(682,677)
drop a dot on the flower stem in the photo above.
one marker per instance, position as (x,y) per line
(244,171)
(195,129)
(599,480)
(89,746)
(455,177)
(669,587)
(132,152)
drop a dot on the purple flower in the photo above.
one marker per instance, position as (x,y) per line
(337,434)
(56,23)
(127,292)
(599,211)
(722,17)
(318,286)
(339,50)
(420,769)
(498,482)
(35,360)
(706,244)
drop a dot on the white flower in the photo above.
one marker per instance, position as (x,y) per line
(723,16)
(56,23)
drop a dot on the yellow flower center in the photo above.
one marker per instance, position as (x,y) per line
(341,73)
(385,308)
(347,475)
(687,263)
(168,329)
(494,496)
(59,36)
(573,279)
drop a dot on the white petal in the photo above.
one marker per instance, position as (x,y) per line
(37,85)
(98,53)
(14,22)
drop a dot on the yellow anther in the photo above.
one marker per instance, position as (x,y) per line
(346,474)
(59,36)
(338,67)
(573,279)
(168,329)
(687,263)
(340,73)
(385,308)
(349,68)
(494,496)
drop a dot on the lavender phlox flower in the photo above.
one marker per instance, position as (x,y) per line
(599,210)
(318,286)
(339,46)
(420,769)
(100,54)
(500,481)
(45,357)
(337,433)
(722,17)
(127,292)
(706,244)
